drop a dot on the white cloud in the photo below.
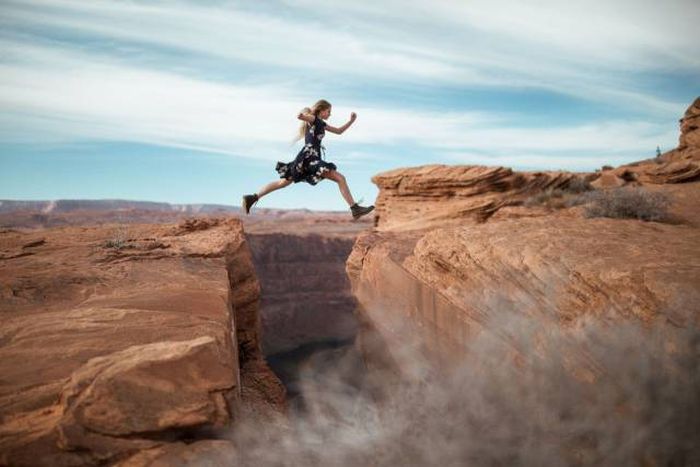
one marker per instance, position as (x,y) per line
(620,34)
(230,33)
(589,50)
(127,90)
(592,50)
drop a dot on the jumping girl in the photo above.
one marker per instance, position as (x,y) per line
(309,165)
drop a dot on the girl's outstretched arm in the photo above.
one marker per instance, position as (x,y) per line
(340,130)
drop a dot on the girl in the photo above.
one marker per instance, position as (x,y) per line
(309,165)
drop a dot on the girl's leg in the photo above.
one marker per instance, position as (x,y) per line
(272,186)
(250,200)
(342,185)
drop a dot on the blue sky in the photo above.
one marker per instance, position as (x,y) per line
(194,102)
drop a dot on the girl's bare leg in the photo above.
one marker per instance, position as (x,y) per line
(342,185)
(272,186)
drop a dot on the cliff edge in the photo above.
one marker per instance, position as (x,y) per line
(119,339)
(455,247)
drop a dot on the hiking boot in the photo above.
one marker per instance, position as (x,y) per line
(249,201)
(359,211)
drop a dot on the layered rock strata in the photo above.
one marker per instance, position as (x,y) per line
(455,249)
(437,195)
(118,339)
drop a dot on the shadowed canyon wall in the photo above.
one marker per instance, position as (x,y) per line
(306,295)
(307,307)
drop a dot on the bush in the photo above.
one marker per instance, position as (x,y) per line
(115,243)
(119,239)
(625,203)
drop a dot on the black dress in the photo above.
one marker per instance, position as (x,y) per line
(308,166)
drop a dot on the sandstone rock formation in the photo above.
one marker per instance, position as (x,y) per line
(436,195)
(690,129)
(117,339)
(454,248)
(679,165)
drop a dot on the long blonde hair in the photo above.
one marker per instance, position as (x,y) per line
(319,106)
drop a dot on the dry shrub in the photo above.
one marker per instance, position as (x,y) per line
(625,203)
(120,238)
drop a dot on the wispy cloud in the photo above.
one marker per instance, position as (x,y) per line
(228,32)
(72,96)
(582,50)
(229,77)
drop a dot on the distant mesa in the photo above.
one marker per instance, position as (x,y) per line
(69,205)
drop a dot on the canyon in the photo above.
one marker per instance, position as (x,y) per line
(149,343)
(130,342)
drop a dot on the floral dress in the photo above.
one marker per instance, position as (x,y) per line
(309,165)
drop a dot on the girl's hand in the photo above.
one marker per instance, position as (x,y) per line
(304,111)
(353,116)
(306,115)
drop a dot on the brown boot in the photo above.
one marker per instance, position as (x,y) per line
(359,211)
(249,201)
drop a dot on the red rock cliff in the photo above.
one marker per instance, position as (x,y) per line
(118,339)
(441,262)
